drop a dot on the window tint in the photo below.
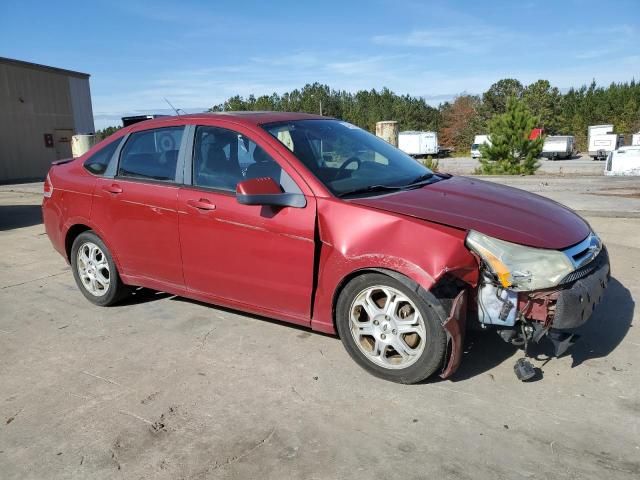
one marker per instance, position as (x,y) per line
(151,154)
(223,158)
(97,163)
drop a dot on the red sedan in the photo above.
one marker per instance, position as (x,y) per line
(314,221)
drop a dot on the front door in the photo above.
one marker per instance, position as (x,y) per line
(62,142)
(256,257)
(138,208)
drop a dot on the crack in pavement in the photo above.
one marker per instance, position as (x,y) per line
(33,280)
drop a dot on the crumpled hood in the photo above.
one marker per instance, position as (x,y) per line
(499,211)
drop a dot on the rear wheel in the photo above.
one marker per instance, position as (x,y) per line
(94,270)
(389,329)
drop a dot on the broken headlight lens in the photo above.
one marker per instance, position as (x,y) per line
(518,267)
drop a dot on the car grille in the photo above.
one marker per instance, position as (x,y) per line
(602,258)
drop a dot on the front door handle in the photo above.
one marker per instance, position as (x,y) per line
(113,188)
(202,204)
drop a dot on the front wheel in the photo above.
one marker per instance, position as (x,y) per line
(389,330)
(95,271)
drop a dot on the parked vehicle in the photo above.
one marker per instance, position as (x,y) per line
(243,210)
(635,139)
(478,141)
(558,147)
(602,140)
(128,121)
(444,151)
(623,162)
(418,144)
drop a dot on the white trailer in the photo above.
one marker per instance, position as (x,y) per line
(558,146)
(635,139)
(602,140)
(478,141)
(418,144)
(625,161)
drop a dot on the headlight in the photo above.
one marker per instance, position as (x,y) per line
(517,267)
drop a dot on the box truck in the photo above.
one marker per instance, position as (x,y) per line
(418,144)
(602,140)
(635,140)
(558,147)
(479,140)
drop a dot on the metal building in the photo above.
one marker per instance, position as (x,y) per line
(40,109)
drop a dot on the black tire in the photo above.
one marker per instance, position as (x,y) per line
(116,290)
(431,358)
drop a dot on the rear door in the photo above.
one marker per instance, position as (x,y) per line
(258,257)
(136,207)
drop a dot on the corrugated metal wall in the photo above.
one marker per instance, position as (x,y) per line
(34,102)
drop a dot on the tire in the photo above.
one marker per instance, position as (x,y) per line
(365,301)
(98,265)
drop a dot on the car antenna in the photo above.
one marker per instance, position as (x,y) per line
(177,110)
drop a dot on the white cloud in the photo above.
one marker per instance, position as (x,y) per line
(472,39)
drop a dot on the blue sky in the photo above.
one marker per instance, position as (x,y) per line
(198,53)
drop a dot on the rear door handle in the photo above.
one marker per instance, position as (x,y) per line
(113,188)
(202,204)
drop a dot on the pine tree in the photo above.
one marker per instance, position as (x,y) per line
(511,152)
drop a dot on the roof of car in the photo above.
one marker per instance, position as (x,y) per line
(251,118)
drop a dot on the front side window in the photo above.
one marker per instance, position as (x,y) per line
(151,154)
(222,158)
(98,162)
(347,159)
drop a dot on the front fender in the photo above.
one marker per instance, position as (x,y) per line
(355,238)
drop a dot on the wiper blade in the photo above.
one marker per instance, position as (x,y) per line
(369,189)
(422,178)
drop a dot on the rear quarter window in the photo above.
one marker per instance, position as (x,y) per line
(98,162)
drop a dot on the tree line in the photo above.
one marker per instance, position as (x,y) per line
(457,121)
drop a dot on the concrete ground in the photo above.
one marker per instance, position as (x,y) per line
(164,387)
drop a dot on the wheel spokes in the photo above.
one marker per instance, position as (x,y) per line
(93,269)
(387,327)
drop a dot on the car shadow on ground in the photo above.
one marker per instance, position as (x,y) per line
(142,295)
(19,216)
(608,326)
(254,316)
(605,330)
(484,350)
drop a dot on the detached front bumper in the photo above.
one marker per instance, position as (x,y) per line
(572,303)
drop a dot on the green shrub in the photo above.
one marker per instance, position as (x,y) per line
(431,163)
(511,152)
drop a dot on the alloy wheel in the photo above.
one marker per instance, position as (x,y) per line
(93,269)
(387,327)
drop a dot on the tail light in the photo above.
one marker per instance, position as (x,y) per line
(48,187)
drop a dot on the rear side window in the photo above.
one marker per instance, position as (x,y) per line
(97,163)
(152,154)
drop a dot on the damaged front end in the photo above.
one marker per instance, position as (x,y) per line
(528,294)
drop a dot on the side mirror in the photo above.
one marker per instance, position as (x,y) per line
(265,191)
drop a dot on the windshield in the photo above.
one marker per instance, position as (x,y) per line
(347,159)
(475,146)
